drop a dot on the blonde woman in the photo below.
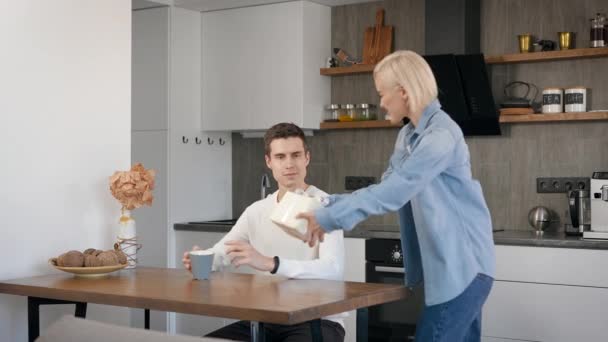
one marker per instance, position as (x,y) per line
(446,230)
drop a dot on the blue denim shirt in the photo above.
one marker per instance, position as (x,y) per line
(446,229)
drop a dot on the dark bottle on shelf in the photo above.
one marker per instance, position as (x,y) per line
(597,31)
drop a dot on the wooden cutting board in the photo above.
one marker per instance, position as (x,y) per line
(377,40)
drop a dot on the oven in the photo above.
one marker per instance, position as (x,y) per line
(394,321)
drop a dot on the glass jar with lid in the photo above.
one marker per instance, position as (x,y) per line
(366,111)
(597,30)
(347,112)
(332,113)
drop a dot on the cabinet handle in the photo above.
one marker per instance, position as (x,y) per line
(197,141)
(184,139)
(222,142)
(210,141)
(386,269)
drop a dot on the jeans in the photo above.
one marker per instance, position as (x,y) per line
(457,320)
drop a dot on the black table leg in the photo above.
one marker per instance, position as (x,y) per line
(147,319)
(315,327)
(362,322)
(81,310)
(33,313)
(33,319)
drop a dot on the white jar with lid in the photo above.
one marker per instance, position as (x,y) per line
(575,99)
(553,100)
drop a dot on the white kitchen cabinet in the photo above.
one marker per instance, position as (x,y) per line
(548,294)
(260,66)
(185,76)
(193,169)
(354,270)
(150,69)
(545,312)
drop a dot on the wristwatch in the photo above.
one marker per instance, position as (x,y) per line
(277,261)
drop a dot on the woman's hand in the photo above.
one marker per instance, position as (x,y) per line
(186,258)
(242,253)
(314,231)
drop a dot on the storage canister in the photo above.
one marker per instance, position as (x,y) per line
(366,111)
(343,114)
(332,113)
(553,101)
(347,112)
(575,99)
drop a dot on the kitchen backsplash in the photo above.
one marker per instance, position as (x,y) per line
(506,166)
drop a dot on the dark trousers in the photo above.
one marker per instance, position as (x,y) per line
(241,331)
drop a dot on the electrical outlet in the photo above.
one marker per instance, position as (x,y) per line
(561,184)
(356,182)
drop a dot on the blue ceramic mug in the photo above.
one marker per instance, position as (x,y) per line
(201,262)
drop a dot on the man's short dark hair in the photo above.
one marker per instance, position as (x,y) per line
(283,130)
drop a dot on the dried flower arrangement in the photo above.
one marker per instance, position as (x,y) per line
(133,188)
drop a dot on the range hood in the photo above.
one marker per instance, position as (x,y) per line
(452,49)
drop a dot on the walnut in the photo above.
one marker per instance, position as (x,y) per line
(71,259)
(89,251)
(122,257)
(108,258)
(91,261)
(59,260)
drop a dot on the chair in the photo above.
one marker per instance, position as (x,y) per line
(72,329)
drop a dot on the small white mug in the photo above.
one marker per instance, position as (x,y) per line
(292,204)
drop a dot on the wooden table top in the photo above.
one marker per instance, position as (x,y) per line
(230,295)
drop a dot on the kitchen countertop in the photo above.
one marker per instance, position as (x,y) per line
(506,237)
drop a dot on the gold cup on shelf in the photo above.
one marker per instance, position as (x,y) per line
(565,40)
(525,42)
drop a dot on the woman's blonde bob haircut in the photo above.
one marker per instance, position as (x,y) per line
(410,71)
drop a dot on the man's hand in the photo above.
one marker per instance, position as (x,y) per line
(314,231)
(242,253)
(186,258)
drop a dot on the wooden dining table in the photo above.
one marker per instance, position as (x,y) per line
(256,298)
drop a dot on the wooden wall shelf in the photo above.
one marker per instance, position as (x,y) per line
(586,116)
(498,59)
(506,119)
(548,56)
(350,70)
(359,124)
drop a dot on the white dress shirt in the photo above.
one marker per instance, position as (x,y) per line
(297,260)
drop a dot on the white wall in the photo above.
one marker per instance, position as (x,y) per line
(64,128)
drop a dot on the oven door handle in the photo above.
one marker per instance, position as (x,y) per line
(387,269)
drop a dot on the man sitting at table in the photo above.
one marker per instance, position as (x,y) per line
(259,243)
